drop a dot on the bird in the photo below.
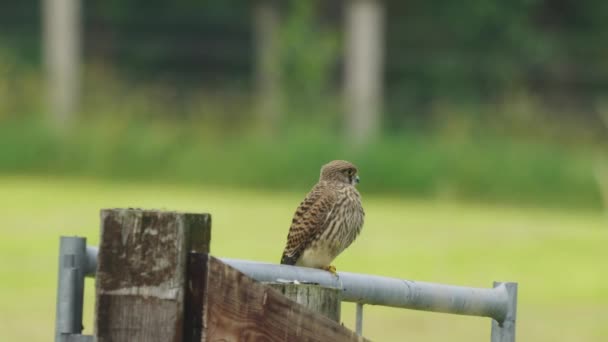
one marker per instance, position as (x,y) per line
(328,220)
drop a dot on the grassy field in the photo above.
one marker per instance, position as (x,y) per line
(559,257)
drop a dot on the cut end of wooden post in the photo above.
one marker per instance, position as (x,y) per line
(320,299)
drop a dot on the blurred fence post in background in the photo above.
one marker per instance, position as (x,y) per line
(61,45)
(266,27)
(364,64)
(600,171)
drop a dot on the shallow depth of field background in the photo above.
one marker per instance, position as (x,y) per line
(489,160)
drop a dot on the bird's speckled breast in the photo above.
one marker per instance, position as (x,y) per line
(344,225)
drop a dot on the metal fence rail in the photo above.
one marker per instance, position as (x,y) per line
(401,293)
(498,303)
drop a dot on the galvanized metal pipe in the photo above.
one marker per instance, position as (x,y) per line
(505,331)
(70,287)
(359,320)
(378,290)
(68,304)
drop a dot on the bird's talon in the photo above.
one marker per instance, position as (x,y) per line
(331,269)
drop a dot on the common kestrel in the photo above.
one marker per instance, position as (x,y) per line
(328,220)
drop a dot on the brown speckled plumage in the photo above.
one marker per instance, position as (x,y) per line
(328,220)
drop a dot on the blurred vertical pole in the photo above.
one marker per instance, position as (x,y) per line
(364,68)
(600,171)
(266,24)
(61,34)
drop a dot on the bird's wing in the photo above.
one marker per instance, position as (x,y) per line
(310,219)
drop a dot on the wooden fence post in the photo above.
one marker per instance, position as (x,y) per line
(321,299)
(141,273)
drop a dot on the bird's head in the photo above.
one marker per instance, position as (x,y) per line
(340,171)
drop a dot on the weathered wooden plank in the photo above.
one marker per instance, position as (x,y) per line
(141,272)
(320,299)
(237,308)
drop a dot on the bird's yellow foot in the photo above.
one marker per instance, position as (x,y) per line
(331,269)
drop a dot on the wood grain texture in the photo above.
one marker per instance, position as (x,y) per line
(237,308)
(320,299)
(195,297)
(141,273)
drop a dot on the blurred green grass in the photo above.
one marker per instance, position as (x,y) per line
(486,168)
(124,130)
(557,255)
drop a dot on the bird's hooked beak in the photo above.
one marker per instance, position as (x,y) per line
(357,180)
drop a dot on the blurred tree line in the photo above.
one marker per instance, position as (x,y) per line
(439,53)
(495,77)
